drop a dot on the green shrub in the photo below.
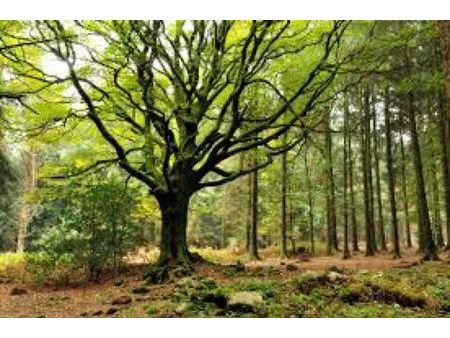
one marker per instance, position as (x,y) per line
(45,268)
(94,226)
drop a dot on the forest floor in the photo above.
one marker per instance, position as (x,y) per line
(302,287)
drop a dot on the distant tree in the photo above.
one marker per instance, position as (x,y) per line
(391,174)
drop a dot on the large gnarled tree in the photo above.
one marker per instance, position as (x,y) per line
(175,101)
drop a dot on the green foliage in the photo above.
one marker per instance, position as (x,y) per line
(49,268)
(93,227)
(8,197)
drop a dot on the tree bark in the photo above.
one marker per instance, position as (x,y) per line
(346,117)
(365,147)
(352,195)
(333,242)
(405,195)
(444,133)
(429,249)
(25,212)
(381,234)
(436,219)
(310,204)
(174,215)
(283,226)
(254,224)
(248,224)
(391,176)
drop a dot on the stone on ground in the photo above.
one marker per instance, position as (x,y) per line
(245,301)
(122,300)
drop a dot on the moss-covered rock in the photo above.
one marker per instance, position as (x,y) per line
(245,301)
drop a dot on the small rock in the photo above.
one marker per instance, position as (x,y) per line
(140,290)
(291,267)
(245,301)
(118,282)
(18,291)
(122,300)
(112,311)
(335,276)
(97,313)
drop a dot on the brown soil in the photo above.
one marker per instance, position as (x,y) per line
(84,300)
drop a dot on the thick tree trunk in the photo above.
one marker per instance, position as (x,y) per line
(391,176)
(174,217)
(283,226)
(405,195)
(428,246)
(381,234)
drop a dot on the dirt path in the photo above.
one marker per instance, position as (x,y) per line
(356,262)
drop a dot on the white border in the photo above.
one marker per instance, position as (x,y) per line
(225,9)
(223,328)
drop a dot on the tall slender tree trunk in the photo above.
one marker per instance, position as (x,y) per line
(444,33)
(428,246)
(254,224)
(329,226)
(248,224)
(352,194)
(444,133)
(310,204)
(331,184)
(346,253)
(283,226)
(369,168)
(405,195)
(367,177)
(25,212)
(381,234)
(436,219)
(391,175)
